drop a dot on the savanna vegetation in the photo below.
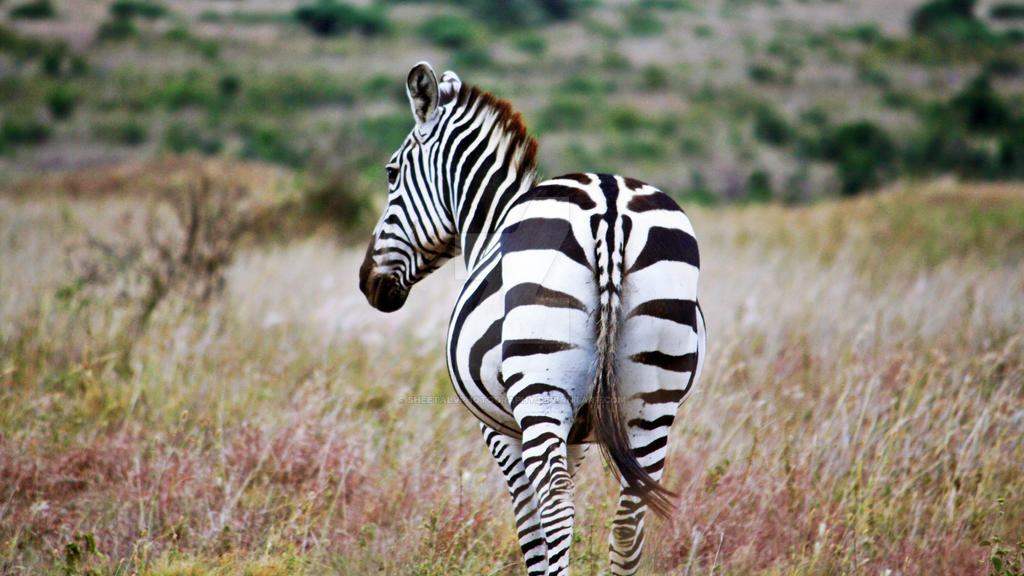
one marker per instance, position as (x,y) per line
(190,382)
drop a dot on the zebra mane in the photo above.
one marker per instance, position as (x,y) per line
(509,122)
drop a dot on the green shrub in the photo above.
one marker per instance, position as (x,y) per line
(759,186)
(641,22)
(936,14)
(506,15)
(272,143)
(559,9)
(449,31)
(564,112)
(530,43)
(24,130)
(52,59)
(290,90)
(229,85)
(635,148)
(130,131)
(770,126)
(33,10)
(126,9)
(386,132)
(116,29)
(1007,11)
(61,101)
(1011,153)
(699,191)
(333,18)
(584,84)
(864,153)
(471,58)
(189,89)
(950,21)
(626,119)
(763,73)
(180,138)
(865,32)
(654,77)
(940,148)
(814,116)
(680,5)
(980,108)
(1004,66)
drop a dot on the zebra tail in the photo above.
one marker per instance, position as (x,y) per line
(605,407)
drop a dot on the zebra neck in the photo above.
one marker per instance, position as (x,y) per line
(483,208)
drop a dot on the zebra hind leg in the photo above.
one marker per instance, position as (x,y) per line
(626,537)
(576,453)
(508,453)
(545,458)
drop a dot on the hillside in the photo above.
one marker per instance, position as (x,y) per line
(724,100)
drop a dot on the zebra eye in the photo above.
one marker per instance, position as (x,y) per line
(392,172)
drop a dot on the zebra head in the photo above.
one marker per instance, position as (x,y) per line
(416,233)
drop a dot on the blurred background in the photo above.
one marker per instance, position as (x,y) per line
(726,101)
(191,382)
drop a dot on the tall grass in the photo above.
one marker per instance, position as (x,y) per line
(860,413)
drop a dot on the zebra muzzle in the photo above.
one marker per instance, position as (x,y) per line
(382,291)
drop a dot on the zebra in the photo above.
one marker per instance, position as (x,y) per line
(578,322)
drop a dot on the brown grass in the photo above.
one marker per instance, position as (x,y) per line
(860,413)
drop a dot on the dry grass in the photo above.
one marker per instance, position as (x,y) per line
(861,410)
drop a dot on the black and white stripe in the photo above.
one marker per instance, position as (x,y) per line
(578,322)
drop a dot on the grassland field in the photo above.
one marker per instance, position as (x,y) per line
(861,410)
(191,383)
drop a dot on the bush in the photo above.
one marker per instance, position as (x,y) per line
(626,119)
(128,131)
(633,148)
(61,101)
(189,89)
(385,133)
(640,22)
(180,138)
(1011,153)
(654,77)
(564,112)
(116,29)
(936,14)
(979,108)
(449,31)
(333,18)
(1007,12)
(530,43)
(770,126)
(272,143)
(34,10)
(763,73)
(865,155)
(759,186)
(473,57)
(52,59)
(950,21)
(125,9)
(24,131)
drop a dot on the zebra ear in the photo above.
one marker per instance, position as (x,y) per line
(422,89)
(449,87)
